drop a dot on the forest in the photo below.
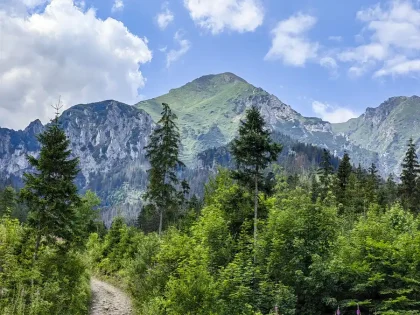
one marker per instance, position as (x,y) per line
(337,239)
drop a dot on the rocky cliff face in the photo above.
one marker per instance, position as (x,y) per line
(108,137)
(386,130)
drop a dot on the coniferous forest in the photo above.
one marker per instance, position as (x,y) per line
(339,240)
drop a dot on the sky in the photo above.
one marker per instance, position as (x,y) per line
(326,58)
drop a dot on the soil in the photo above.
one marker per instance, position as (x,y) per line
(108,300)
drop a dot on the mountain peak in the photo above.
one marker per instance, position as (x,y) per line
(34,127)
(225,77)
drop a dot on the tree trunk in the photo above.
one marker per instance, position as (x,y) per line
(255,214)
(37,243)
(160,222)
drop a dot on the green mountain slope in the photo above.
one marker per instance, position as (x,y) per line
(386,130)
(210,108)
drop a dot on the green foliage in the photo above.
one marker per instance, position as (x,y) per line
(343,174)
(57,284)
(378,263)
(299,237)
(253,150)
(42,270)
(50,193)
(163,155)
(10,206)
(312,255)
(409,178)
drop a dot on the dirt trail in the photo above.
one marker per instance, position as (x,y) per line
(108,300)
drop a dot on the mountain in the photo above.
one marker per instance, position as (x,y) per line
(209,110)
(386,130)
(108,137)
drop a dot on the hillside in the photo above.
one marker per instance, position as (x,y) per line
(108,137)
(386,130)
(210,108)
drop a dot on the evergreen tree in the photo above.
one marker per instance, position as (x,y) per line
(50,192)
(409,177)
(163,155)
(360,173)
(7,201)
(388,193)
(325,171)
(343,174)
(253,150)
(354,197)
(372,184)
(314,188)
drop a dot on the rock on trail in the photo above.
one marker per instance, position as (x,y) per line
(108,300)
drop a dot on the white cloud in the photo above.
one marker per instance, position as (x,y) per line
(330,64)
(20,7)
(34,3)
(290,43)
(335,38)
(331,113)
(394,30)
(118,5)
(69,52)
(174,54)
(165,17)
(219,15)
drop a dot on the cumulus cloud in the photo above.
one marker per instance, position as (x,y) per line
(330,64)
(331,113)
(290,43)
(118,5)
(165,17)
(219,15)
(394,30)
(174,54)
(65,51)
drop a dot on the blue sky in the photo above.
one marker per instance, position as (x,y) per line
(325,58)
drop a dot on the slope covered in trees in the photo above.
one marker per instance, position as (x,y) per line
(334,239)
(336,236)
(42,270)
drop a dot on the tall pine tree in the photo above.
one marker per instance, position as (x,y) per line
(7,201)
(343,174)
(409,178)
(253,150)
(163,155)
(372,184)
(325,171)
(50,192)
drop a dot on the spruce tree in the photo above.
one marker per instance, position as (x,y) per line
(360,173)
(372,184)
(253,150)
(314,188)
(7,201)
(343,174)
(388,193)
(50,192)
(163,155)
(409,178)
(325,171)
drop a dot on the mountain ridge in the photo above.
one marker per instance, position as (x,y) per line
(109,136)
